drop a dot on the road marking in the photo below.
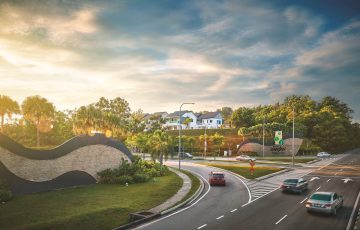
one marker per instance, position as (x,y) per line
(341,170)
(328,180)
(281,219)
(318,188)
(204,225)
(346,180)
(303,200)
(181,210)
(220,217)
(353,212)
(259,197)
(234,210)
(314,178)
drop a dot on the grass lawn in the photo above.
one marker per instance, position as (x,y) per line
(195,184)
(98,206)
(245,170)
(287,159)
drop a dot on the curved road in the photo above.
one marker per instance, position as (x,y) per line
(214,204)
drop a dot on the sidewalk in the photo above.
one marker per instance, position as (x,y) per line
(183,191)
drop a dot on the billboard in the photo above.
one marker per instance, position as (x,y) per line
(278,138)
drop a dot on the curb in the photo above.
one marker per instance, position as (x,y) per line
(190,199)
(156,215)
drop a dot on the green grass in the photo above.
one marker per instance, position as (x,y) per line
(245,170)
(98,206)
(287,159)
(195,184)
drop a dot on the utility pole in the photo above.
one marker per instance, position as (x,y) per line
(180,127)
(263,150)
(293,134)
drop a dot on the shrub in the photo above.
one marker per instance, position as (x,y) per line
(5,195)
(141,177)
(123,180)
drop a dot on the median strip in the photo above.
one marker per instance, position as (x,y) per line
(281,219)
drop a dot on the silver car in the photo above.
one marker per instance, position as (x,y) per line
(328,202)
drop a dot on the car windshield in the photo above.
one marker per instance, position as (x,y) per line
(323,197)
(291,181)
(218,175)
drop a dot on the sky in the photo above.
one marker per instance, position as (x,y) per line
(159,54)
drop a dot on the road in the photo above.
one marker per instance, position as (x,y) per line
(214,201)
(225,208)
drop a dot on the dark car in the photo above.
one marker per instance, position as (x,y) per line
(294,185)
(217,178)
(328,202)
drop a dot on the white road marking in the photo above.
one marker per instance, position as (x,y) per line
(303,200)
(318,188)
(353,212)
(220,217)
(328,180)
(181,210)
(204,225)
(234,210)
(341,170)
(281,219)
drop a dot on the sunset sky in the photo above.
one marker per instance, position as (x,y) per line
(158,54)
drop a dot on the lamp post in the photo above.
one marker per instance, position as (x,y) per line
(205,143)
(180,127)
(293,134)
(263,149)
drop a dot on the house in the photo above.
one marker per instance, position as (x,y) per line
(150,119)
(188,120)
(212,120)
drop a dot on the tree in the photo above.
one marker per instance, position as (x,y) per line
(37,109)
(218,141)
(136,123)
(7,107)
(243,117)
(226,113)
(158,146)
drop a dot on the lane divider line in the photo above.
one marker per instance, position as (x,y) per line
(328,180)
(220,217)
(281,219)
(318,188)
(181,210)
(353,212)
(303,200)
(234,210)
(204,225)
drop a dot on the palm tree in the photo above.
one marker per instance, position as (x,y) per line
(36,109)
(218,141)
(7,107)
(158,144)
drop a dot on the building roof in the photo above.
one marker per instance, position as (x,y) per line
(209,115)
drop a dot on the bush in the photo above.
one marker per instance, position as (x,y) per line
(123,180)
(141,177)
(5,195)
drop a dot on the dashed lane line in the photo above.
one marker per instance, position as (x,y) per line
(220,217)
(328,180)
(202,226)
(303,200)
(234,210)
(318,188)
(281,219)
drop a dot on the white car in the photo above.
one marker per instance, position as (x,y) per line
(245,158)
(323,154)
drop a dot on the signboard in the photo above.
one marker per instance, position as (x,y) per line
(278,138)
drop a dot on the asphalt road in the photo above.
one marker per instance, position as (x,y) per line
(228,207)
(214,201)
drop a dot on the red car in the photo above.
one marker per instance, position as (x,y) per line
(217,178)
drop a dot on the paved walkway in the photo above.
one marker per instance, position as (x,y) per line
(183,191)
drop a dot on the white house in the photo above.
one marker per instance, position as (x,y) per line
(172,120)
(212,120)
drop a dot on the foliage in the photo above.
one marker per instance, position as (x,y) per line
(137,172)
(243,117)
(37,109)
(8,107)
(5,193)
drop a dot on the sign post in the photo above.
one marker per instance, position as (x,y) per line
(252,164)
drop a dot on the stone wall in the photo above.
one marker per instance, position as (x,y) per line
(269,150)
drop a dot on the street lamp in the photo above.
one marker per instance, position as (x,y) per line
(293,133)
(263,149)
(185,103)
